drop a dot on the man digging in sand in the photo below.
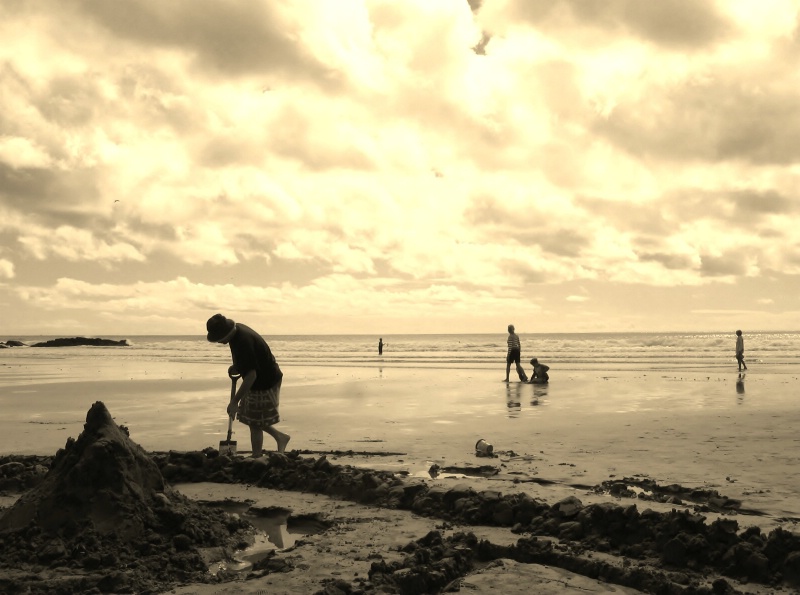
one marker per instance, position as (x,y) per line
(256,402)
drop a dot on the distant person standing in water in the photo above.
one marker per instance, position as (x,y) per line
(256,402)
(740,351)
(513,355)
(380,346)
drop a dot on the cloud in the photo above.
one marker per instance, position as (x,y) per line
(297,154)
(709,120)
(22,153)
(676,262)
(75,244)
(6,268)
(50,194)
(730,264)
(320,144)
(674,24)
(753,203)
(168,297)
(223,39)
(188,303)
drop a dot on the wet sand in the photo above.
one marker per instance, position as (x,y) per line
(700,427)
(694,428)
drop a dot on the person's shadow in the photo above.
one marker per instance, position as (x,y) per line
(740,386)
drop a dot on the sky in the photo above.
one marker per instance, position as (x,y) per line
(385,166)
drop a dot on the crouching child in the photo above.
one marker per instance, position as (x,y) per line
(539,375)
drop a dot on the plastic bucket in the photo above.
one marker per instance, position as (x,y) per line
(483,448)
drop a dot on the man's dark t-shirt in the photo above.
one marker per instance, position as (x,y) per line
(251,352)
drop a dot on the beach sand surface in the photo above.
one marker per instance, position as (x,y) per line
(362,535)
(696,428)
(700,429)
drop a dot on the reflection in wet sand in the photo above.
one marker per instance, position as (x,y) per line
(540,390)
(516,391)
(514,398)
(740,388)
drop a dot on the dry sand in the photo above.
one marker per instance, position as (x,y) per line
(734,445)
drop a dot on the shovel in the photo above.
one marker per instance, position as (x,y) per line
(228,446)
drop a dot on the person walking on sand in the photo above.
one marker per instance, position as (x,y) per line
(513,355)
(256,402)
(740,351)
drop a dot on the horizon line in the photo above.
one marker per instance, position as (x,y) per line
(629,332)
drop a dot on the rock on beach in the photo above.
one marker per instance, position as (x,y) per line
(82,341)
(11,343)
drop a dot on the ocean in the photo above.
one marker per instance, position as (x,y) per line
(669,405)
(564,351)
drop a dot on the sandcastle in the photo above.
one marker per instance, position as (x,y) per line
(105,512)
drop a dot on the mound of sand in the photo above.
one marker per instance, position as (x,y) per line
(104,518)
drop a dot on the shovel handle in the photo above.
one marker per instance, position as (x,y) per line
(233,386)
(234,379)
(230,428)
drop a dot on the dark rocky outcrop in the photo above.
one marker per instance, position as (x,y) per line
(11,343)
(80,341)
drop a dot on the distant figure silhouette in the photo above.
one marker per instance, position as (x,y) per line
(380,346)
(513,354)
(740,351)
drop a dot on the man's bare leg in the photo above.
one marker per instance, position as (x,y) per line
(257,441)
(521,371)
(281,438)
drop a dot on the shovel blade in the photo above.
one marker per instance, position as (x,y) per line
(227,447)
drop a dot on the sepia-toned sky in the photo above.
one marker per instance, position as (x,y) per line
(387,166)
